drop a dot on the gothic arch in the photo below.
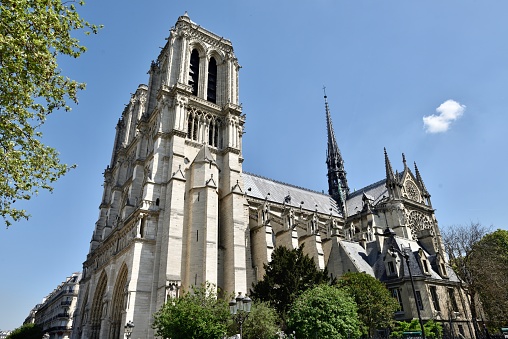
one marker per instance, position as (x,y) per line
(97,307)
(83,315)
(199,46)
(118,302)
(212,79)
(218,55)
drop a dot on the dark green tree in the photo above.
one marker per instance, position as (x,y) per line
(324,312)
(27,331)
(262,322)
(196,314)
(33,34)
(375,304)
(287,275)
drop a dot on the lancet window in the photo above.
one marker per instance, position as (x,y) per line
(213,132)
(194,71)
(211,94)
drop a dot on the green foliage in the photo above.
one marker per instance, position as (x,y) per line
(324,312)
(33,33)
(433,330)
(27,331)
(262,322)
(459,241)
(196,314)
(289,273)
(489,262)
(375,304)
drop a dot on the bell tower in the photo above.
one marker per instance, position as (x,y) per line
(196,126)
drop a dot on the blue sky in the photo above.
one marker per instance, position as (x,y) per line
(385,64)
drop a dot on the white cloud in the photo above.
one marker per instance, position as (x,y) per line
(449,111)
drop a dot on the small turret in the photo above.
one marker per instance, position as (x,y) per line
(421,185)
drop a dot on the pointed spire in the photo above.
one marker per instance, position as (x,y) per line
(388,166)
(420,180)
(404,161)
(337,182)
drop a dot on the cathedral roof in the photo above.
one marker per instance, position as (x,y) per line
(282,193)
(358,256)
(376,192)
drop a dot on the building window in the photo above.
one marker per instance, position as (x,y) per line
(211,94)
(396,293)
(433,296)
(194,71)
(453,301)
(419,301)
(391,268)
(213,133)
(443,269)
(425,266)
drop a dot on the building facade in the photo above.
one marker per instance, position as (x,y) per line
(55,314)
(178,210)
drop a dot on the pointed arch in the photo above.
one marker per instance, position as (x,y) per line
(194,71)
(211,94)
(118,302)
(97,307)
(83,315)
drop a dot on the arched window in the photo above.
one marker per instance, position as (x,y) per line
(190,123)
(119,303)
(211,128)
(97,307)
(194,71)
(211,94)
(195,129)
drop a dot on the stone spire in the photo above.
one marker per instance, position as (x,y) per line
(390,177)
(337,182)
(421,184)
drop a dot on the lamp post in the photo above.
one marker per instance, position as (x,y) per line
(390,233)
(240,309)
(128,329)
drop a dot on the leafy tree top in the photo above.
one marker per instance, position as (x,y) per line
(287,275)
(324,312)
(27,331)
(196,314)
(375,304)
(33,33)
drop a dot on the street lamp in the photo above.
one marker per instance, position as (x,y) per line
(128,328)
(390,233)
(240,309)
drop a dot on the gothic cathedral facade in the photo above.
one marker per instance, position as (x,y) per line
(178,210)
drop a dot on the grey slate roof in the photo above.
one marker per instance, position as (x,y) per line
(358,255)
(258,187)
(376,192)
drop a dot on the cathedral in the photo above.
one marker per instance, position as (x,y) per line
(178,210)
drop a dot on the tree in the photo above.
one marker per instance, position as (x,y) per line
(458,243)
(433,330)
(196,314)
(375,304)
(33,34)
(27,331)
(488,260)
(289,273)
(324,312)
(262,322)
